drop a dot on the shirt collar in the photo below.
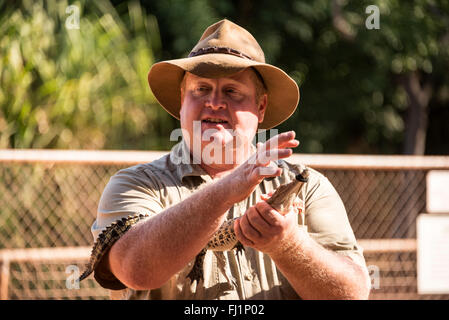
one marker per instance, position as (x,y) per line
(181,157)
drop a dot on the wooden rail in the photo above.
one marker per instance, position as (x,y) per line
(328,161)
(388,245)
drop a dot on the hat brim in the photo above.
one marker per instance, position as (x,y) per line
(165,78)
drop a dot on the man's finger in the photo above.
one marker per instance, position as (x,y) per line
(257,221)
(264,158)
(279,140)
(248,229)
(266,196)
(239,234)
(267,172)
(271,216)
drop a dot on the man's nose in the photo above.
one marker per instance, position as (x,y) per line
(215,101)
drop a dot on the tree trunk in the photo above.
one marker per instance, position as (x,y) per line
(417,114)
(416,120)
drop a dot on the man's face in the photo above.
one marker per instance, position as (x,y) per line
(225,111)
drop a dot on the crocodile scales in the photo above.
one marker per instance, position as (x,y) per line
(107,238)
(223,240)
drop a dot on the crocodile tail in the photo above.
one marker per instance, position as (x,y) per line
(107,238)
(88,270)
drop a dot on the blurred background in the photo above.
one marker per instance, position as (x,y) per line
(378,91)
(73,75)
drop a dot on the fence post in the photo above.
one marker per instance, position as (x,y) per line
(4,279)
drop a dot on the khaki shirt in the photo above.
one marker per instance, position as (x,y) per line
(155,186)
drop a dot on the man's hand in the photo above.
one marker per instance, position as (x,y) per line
(266,229)
(244,179)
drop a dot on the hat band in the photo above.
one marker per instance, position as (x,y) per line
(224,50)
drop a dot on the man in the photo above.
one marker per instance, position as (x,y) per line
(224,90)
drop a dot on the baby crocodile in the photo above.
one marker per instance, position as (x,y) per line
(223,240)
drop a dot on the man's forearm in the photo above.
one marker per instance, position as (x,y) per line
(317,273)
(155,249)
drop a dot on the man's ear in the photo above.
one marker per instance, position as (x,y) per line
(181,96)
(182,88)
(262,107)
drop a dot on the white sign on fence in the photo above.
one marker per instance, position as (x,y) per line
(438,191)
(433,253)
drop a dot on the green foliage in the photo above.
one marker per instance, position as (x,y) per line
(78,88)
(87,88)
(352,100)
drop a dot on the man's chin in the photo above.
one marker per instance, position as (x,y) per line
(224,151)
(218,143)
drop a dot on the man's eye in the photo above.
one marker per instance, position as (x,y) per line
(202,89)
(232,91)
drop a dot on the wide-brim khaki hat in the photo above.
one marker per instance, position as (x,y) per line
(223,50)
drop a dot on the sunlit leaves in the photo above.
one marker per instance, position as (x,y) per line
(77,88)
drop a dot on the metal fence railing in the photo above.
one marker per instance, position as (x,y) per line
(48,199)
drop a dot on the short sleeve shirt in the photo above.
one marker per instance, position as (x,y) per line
(153,187)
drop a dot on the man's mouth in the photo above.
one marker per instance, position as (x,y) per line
(214,120)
